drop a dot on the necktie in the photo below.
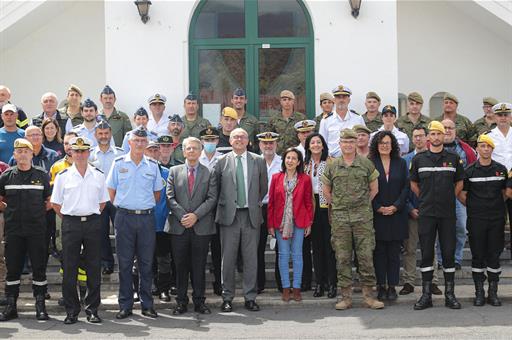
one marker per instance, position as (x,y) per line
(240,183)
(191,179)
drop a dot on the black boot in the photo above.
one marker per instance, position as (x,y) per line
(332,292)
(492,294)
(319,291)
(381,292)
(41,313)
(425,300)
(3,300)
(450,300)
(479,293)
(10,312)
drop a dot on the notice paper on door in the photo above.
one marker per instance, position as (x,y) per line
(212,113)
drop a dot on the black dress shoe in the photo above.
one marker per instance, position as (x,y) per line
(226,307)
(319,291)
(332,293)
(406,289)
(155,291)
(70,319)
(174,290)
(149,312)
(123,314)
(217,289)
(93,317)
(164,296)
(107,271)
(252,306)
(391,294)
(179,309)
(260,290)
(47,296)
(202,309)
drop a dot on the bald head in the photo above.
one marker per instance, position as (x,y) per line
(5,95)
(449,126)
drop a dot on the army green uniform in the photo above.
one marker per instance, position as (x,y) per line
(120,124)
(481,126)
(286,130)
(463,126)
(352,217)
(319,118)
(405,124)
(192,128)
(251,124)
(78,119)
(374,124)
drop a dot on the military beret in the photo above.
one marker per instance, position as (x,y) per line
(348,134)
(267,136)
(484,138)
(152,144)
(239,92)
(361,128)
(389,108)
(157,98)
(490,101)
(449,96)
(287,94)
(75,88)
(305,125)
(175,119)
(326,96)
(191,97)
(107,90)
(415,97)
(342,90)
(9,107)
(229,112)
(80,143)
(89,103)
(103,124)
(436,126)
(209,132)
(23,143)
(141,112)
(373,95)
(502,108)
(140,132)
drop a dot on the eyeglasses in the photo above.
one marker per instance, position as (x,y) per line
(239,137)
(385,143)
(34,135)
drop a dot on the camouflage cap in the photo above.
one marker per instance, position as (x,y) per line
(76,89)
(415,97)
(452,97)
(490,101)
(348,134)
(361,128)
(373,95)
(326,96)
(287,94)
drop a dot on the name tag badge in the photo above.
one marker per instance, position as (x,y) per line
(123,170)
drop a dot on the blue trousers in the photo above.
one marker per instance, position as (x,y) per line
(460,233)
(291,247)
(107,215)
(135,236)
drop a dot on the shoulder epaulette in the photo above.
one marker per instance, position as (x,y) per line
(152,161)
(119,149)
(62,171)
(117,159)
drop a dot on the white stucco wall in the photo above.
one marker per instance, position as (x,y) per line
(68,46)
(441,48)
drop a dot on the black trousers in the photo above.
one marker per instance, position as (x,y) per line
(216,257)
(307,262)
(108,216)
(428,228)
(509,209)
(386,260)
(166,268)
(190,252)
(16,249)
(75,234)
(324,260)
(262,245)
(486,239)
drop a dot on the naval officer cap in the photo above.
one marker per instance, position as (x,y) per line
(80,143)
(341,90)
(107,90)
(209,133)
(157,98)
(305,125)
(267,136)
(505,108)
(23,143)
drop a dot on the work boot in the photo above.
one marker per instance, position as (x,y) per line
(41,313)
(286,295)
(10,312)
(296,294)
(368,299)
(344,299)
(479,293)
(450,300)
(425,300)
(492,294)
(3,300)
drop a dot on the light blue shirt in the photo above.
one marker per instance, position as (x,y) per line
(7,143)
(135,184)
(153,137)
(82,131)
(103,160)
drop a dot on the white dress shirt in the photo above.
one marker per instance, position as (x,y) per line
(209,163)
(401,138)
(503,147)
(331,126)
(272,169)
(159,128)
(302,150)
(244,166)
(77,195)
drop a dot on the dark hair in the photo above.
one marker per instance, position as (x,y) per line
(48,121)
(374,145)
(421,127)
(71,133)
(325,150)
(300,167)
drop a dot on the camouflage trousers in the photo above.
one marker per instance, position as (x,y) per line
(363,235)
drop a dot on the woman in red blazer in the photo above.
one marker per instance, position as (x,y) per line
(290,215)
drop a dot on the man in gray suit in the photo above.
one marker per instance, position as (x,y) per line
(242,182)
(192,195)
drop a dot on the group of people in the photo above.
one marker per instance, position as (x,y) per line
(338,190)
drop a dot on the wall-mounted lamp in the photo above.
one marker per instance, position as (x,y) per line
(143,8)
(356,6)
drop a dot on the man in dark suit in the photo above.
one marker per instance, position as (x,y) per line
(192,195)
(242,182)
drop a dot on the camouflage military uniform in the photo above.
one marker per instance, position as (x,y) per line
(250,124)
(463,126)
(374,124)
(319,118)
(78,119)
(120,124)
(481,126)
(285,128)
(192,128)
(352,217)
(405,124)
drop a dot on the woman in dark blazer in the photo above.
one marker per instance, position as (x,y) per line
(389,212)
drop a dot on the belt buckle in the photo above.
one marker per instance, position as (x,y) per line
(83,219)
(138,212)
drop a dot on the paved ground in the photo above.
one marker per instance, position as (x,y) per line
(313,318)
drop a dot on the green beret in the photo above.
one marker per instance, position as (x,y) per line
(415,97)
(449,96)
(348,134)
